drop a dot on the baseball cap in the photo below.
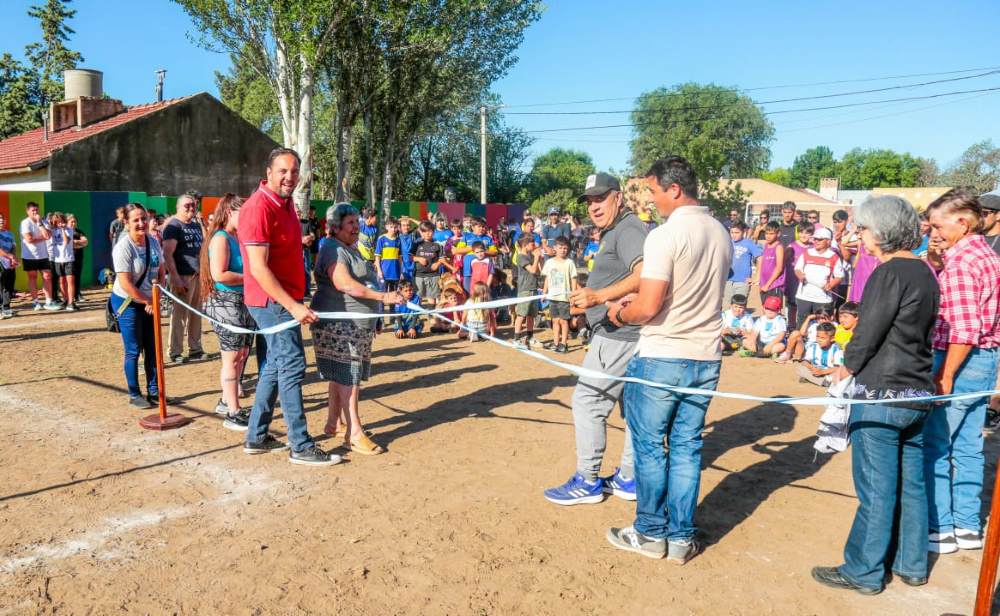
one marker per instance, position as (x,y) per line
(597,184)
(990,201)
(823,234)
(554,210)
(772,303)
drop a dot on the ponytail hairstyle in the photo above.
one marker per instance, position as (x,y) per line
(223,213)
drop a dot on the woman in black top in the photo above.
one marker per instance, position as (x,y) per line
(890,357)
(80,242)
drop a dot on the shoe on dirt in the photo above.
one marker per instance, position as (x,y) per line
(139,402)
(576,491)
(267,445)
(314,456)
(632,540)
(238,421)
(619,486)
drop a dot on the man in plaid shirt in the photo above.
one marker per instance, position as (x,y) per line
(966,349)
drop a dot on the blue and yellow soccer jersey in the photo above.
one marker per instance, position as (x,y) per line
(366,241)
(389,251)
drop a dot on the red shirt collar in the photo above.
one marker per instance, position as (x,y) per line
(273,196)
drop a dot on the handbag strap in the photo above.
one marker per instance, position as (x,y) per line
(145,266)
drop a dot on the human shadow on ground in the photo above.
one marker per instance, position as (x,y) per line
(472,405)
(739,494)
(58,333)
(745,428)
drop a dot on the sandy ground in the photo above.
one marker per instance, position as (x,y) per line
(99,516)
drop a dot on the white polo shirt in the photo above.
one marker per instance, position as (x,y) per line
(692,252)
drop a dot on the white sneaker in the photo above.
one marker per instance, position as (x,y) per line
(968,539)
(36,307)
(942,543)
(535,342)
(52,306)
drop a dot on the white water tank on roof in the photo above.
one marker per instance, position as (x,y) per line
(79,82)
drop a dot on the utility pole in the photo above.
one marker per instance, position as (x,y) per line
(482,154)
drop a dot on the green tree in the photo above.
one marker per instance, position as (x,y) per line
(721,197)
(558,168)
(866,169)
(50,56)
(20,100)
(720,131)
(978,167)
(812,165)
(778,175)
(562,198)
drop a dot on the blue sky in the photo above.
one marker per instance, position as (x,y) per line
(589,49)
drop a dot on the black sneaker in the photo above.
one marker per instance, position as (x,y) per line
(139,402)
(314,456)
(562,348)
(910,580)
(177,359)
(830,576)
(238,421)
(195,355)
(267,445)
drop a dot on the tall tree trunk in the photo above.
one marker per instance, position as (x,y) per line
(388,156)
(344,130)
(304,137)
(369,161)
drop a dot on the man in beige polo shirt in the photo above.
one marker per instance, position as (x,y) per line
(679,304)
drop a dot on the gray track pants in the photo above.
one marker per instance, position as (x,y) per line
(593,401)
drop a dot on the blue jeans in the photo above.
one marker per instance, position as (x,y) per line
(667,489)
(953,446)
(888,466)
(281,376)
(137,336)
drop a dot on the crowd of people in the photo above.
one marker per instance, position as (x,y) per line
(897,304)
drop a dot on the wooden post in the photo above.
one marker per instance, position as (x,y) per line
(991,552)
(162,420)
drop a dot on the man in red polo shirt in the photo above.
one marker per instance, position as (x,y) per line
(273,286)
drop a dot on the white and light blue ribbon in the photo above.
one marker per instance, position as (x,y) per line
(579,370)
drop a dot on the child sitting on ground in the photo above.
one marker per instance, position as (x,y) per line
(847,316)
(822,357)
(560,280)
(768,334)
(409,323)
(797,340)
(736,325)
(478,320)
(451,296)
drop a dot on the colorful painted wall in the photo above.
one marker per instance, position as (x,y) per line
(95,210)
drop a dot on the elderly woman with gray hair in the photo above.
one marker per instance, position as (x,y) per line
(346,282)
(890,358)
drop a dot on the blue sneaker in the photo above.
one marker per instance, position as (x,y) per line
(576,491)
(622,488)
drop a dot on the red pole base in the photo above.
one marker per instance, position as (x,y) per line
(169,422)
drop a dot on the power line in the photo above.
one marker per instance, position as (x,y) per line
(783,111)
(772,102)
(777,87)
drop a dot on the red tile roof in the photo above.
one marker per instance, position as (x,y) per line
(29,148)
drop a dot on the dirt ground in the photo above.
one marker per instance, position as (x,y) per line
(98,516)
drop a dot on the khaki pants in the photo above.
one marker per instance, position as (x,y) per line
(182,319)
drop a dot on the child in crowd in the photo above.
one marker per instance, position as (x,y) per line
(62,259)
(560,280)
(388,258)
(478,320)
(501,290)
(451,295)
(406,241)
(529,267)
(847,318)
(479,267)
(368,233)
(805,335)
(802,243)
(771,272)
(822,357)
(454,249)
(409,323)
(768,334)
(737,324)
(441,233)
(590,251)
(428,259)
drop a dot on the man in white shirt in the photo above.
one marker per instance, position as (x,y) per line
(686,261)
(35,234)
(819,270)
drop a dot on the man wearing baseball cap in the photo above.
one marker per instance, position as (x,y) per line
(617,266)
(991,219)
(553,229)
(819,270)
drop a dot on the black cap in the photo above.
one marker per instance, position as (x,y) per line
(597,185)
(739,299)
(990,201)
